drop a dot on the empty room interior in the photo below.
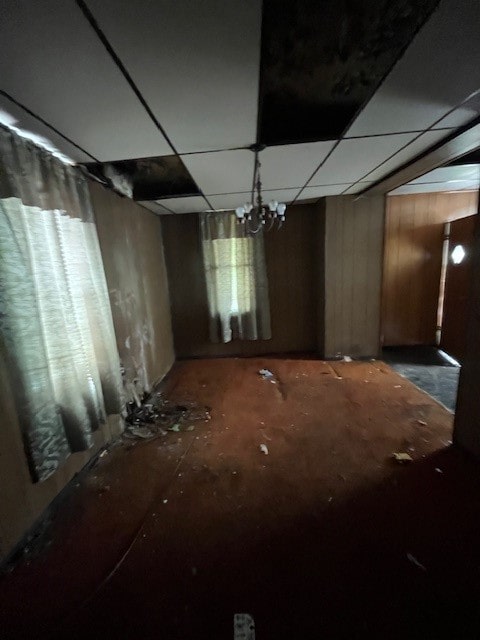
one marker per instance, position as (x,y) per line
(239,319)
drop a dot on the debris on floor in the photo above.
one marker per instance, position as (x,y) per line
(140,433)
(324,487)
(266,374)
(243,627)
(156,416)
(402,457)
(347,359)
(264,449)
(414,561)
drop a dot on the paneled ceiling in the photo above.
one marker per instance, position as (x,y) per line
(464,177)
(173,94)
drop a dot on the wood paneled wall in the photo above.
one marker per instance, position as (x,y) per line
(130,241)
(413,260)
(293,258)
(132,250)
(353,275)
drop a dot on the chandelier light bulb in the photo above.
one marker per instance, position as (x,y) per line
(258,215)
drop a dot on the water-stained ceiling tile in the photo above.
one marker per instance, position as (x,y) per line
(321,61)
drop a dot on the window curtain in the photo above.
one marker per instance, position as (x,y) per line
(236,278)
(56,329)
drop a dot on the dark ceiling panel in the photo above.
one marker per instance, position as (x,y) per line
(323,59)
(149,178)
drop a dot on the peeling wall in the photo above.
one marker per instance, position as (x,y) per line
(21,501)
(132,249)
(131,243)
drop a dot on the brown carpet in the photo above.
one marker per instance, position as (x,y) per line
(324,537)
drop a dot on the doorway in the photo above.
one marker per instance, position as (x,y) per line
(458,275)
(425,287)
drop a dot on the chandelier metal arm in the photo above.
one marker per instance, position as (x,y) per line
(256,210)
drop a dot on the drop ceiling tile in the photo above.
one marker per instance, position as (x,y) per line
(14,116)
(433,187)
(445,174)
(357,188)
(231,201)
(154,207)
(320,192)
(411,151)
(474,185)
(352,159)
(458,118)
(191,204)
(221,172)
(53,63)
(288,166)
(151,178)
(301,200)
(197,66)
(282,195)
(321,60)
(437,175)
(438,71)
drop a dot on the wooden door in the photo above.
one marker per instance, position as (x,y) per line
(412,267)
(457,287)
(413,262)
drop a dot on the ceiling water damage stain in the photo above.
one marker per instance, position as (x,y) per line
(323,60)
(148,178)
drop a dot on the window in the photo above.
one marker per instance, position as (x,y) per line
(236,279)
(55,318)
(232,271)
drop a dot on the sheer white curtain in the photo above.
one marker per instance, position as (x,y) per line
(236,279)
(56,328)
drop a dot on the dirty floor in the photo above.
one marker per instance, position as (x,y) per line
(323,537)
(428,369)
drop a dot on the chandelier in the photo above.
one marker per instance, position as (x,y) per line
(257,215)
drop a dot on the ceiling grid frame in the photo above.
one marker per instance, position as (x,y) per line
(300,179)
